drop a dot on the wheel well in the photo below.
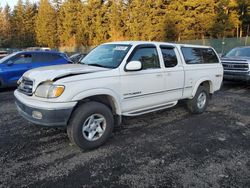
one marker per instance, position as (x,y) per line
(208,85)
(104,99)
(108,101)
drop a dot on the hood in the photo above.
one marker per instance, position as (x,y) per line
(236,59)
(52,73)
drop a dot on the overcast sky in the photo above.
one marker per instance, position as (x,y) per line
(12,2)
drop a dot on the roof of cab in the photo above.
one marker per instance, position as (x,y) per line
(157,43)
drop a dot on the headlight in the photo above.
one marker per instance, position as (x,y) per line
(20,80)
(48,90)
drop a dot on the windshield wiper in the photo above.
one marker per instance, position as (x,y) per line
(80,62)
(97,65)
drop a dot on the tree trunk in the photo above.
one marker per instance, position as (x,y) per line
(241,31)
(237,30)
(203,39)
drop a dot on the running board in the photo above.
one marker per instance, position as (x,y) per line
(148,110)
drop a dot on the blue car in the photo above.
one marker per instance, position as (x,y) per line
(14,65)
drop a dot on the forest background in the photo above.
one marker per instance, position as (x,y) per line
(85,23)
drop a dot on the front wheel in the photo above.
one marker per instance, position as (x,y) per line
(91,125)
(199,103)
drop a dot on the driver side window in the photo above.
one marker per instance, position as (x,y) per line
(148,56)
(22,59)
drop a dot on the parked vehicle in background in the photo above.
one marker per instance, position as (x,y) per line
(236,64)
(14,65)
(76,58)
(114,80)
(3,54)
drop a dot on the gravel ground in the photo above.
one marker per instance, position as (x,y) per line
(170,148)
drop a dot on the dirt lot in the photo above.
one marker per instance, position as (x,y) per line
(171,148)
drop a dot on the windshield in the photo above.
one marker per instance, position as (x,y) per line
(107,55)
(6,58)
(239,52)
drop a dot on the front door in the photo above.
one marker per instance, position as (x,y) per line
(143,89)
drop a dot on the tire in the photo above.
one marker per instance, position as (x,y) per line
(199,103)
(90,125)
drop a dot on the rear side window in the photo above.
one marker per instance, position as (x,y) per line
(199,55)
(148,56)
(46,57)
(192,55)
(169,57)
(209,56)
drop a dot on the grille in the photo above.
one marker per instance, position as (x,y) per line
(235,66)
(26,86)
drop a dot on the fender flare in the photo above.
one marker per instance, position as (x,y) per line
(100,91)
(198,83)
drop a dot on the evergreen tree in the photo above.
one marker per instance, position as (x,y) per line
(57,4)
(88,23)
(136,14)
(7,11)
(226,19)
(17,25)
(155,21)
(193,18)
(204,16)
(69,22)
(244,16)
(7,33)
(116,20)
(45,26)
(97,22)
(29,24)
(4,29)
(83,28)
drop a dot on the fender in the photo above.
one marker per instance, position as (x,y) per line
(100,91)
(198,83)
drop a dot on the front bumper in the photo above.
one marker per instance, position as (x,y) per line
(50,116)
(234,76)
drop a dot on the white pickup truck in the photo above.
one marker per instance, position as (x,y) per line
(114,80)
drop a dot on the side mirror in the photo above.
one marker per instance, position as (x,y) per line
(133,66)
(9,63)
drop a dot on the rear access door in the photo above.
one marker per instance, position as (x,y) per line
(173,73)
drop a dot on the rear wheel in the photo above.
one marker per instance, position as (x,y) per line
(91,125)
(199,103)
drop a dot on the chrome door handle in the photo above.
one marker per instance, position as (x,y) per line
(218,75)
